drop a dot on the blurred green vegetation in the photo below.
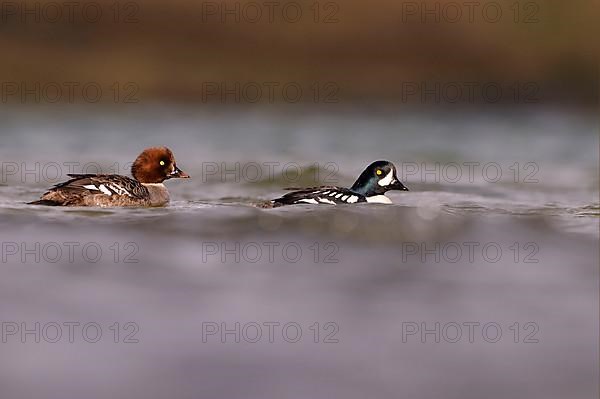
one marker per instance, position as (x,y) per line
(171,49)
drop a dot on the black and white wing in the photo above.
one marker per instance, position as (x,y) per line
(97,190)
(110,185)
(330,195)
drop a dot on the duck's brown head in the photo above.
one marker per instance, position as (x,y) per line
(155,165)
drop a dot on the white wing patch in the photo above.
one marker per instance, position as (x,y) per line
(119,190)
(105,190)
(308,201)
(326,201)
(332,197)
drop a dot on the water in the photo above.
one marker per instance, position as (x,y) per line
(373,271)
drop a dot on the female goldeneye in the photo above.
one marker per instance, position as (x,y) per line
(371,186)
(150,169)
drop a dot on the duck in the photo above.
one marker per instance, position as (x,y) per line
(371,186)
(146,189)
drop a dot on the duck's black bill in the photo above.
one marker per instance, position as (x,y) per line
(178,173)
(397,186)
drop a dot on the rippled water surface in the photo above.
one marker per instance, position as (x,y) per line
(215,255)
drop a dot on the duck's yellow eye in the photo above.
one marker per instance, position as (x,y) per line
(379,172)
(162,163)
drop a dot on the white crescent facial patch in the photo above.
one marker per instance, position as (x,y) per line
(387,180)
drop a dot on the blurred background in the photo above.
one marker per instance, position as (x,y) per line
(171,49)
(488,109)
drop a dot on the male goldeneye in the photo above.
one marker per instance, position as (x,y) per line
(150,169)
(370,186)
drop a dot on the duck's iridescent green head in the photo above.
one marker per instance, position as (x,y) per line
(378,178)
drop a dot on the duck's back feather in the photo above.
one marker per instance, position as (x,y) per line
(96,190)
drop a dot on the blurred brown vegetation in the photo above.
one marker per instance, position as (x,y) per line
(170,48)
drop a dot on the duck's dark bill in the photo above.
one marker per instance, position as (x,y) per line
(398,186)
(179,173)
